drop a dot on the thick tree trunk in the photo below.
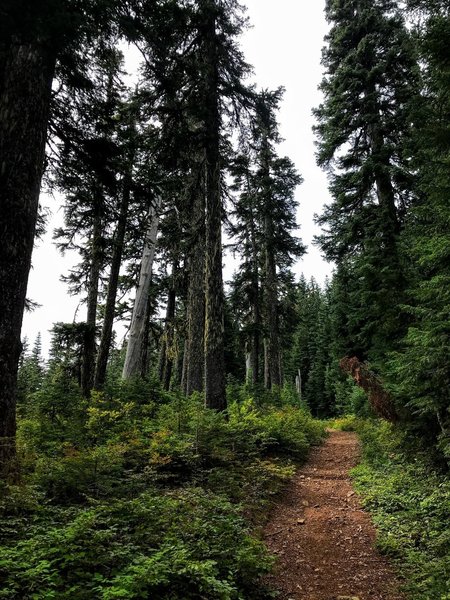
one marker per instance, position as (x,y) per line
(195,341)
(87,369)
(215,396)
(110,307)
(26,78)
(133,358)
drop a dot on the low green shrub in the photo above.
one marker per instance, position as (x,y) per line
(185,544)
(410,504)
(346,423)
(144,495)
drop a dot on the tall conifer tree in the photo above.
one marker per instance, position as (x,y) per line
(364,132)
(420,370)
(38,39)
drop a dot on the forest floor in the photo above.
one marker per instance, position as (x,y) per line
(324,541)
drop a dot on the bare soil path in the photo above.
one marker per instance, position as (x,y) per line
(323,539)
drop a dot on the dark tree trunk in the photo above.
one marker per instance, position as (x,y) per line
(215,396)
(26,76)
(266,365)
(195,341)
(183,379)
(163,349)
(144,362)
(167,345)
(179,359)
(110,307)
(385,190)
(273,375)
(255,347)
(87,371)
(256,335)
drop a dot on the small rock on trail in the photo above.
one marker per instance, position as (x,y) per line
(322,538)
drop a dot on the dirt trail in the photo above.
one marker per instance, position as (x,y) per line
(323,539)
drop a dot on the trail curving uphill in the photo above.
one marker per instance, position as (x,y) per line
(323,539)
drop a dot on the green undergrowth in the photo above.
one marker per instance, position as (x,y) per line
(144,494)
(409,500)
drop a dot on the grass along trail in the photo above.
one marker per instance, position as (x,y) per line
(323,539)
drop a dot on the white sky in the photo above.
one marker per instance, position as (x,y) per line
(284,47)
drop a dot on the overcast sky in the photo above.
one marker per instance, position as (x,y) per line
(284,46)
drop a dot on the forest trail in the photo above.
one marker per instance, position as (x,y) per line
(323,539)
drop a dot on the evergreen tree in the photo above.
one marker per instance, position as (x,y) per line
(277,180)
(218,60)
(87,173)
(364,135)
(311,347)
(263,222)
(129,142)
(420,371)
(31,370)
(245,227)
(38,40)
(198,72)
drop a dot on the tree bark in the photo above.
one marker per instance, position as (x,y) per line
(215,396)
(167,344)
(110,307)
(383,182)
(195,341)
(266,366)
(248,368)
(133,358)
(25,92)
(183,379)
(298,383)
(272,343)
(87,370)
(256,336)
(145,343)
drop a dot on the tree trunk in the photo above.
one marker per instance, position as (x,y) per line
(195,341)
(110,307)
(183,380)
(298,383)
(385,191)
(87,370)
(133,358)
(256,336)
(25,92)
(266,366)
(167,345)
(271,313)
(145,345)
(248,368)
(255,348)
(215,397)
